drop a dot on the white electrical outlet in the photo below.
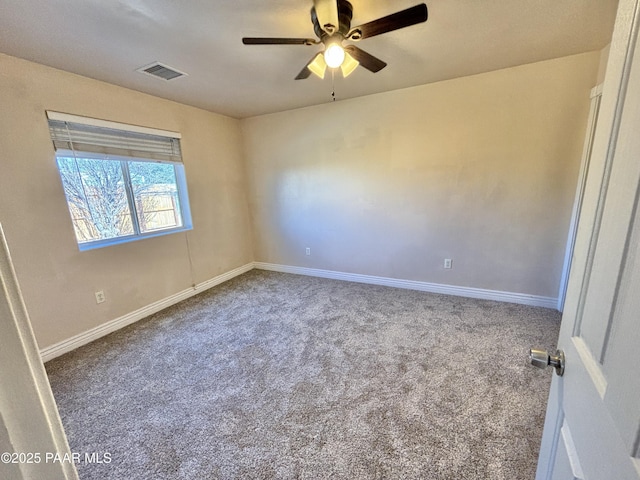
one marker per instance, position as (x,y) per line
(100,298)
(307,251)
(447,263)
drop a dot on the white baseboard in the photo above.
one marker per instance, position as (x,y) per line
(53,351)
(510,297)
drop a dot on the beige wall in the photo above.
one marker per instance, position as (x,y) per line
(59,281)
(602,68)
(480,169)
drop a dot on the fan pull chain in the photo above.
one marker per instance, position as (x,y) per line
(333,85)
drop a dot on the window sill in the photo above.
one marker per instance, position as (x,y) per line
(131,238)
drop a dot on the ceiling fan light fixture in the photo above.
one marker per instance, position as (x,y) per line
(349,65)
(334,55)
(331,21)
(318,66)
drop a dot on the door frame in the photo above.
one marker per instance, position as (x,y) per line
(592,122)
(29,418)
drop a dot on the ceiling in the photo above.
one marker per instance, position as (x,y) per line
(109,40)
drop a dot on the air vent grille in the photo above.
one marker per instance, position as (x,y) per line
(159,70)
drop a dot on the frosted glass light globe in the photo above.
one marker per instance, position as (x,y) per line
(334,55)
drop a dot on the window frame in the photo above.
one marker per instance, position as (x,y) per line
(181,187)
(124,165)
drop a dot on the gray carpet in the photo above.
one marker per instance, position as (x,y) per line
(278,376)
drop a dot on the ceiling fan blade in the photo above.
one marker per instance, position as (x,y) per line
(395,21)
(305,72)
(278,41)
(367,60)
(327,13)
(316,65)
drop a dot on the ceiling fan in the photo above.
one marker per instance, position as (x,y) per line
(332,25)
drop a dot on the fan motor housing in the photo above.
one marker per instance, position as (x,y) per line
(345,14)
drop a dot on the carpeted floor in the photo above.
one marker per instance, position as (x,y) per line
(278,376)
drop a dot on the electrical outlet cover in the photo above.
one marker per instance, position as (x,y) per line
(100,297)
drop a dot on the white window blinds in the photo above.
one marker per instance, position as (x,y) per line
(80,134)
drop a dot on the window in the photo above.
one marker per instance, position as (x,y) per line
(122,183)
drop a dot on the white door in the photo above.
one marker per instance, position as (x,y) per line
(592,429)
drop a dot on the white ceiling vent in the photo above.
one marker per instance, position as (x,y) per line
(159,70)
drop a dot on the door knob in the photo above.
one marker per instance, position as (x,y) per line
(542,359)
